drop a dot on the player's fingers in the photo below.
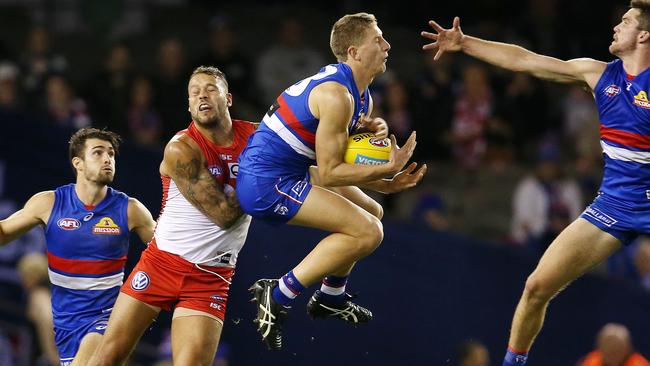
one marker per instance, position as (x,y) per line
(435,26)
(420,173)
(393,142)
(430,46)
(438,54)
(429,35)
(456,23)
(410,168)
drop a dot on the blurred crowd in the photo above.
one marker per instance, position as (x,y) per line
(512,159)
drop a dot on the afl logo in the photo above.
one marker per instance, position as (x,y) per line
(612,90)
(68,224)
(375,141)
(140,281)
(215,170)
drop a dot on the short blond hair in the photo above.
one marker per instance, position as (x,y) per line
(349,31)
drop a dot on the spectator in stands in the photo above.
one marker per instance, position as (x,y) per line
(287,60)
(109,91)
(472,109)
(170,86)
(473,353)
(64,108)
(544,202)
(614,348)
(33,273)
(10,101)
(37,62)
(144,122)
(433,107)
(224,52)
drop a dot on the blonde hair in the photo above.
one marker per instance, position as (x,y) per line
(349,31)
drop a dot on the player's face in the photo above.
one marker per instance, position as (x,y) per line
(98,164)
(208,99)
(374,50)
(625,33)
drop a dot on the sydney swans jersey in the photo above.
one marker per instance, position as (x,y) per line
(285,142)
(184,230)
(86,250)
(624,111)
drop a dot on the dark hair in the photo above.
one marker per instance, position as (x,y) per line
(466,349)
(212,71)
(349,31)
(78,140)
(644,17)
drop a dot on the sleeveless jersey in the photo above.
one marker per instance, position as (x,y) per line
(624,111)
(285,142)
(86,250)
(184,230)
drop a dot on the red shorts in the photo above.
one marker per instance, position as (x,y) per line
(166,280)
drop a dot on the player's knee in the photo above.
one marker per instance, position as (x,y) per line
(110,353)
(537,289)
(371,236)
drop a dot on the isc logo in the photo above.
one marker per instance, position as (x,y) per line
(68,224)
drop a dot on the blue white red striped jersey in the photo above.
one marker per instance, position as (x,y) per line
(285,142)
(624,110)
(86,254)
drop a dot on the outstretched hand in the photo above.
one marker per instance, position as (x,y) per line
(400,156)
(444,39)
(407,178)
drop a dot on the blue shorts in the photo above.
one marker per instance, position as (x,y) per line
(68,341)
(623,220)
(274,199)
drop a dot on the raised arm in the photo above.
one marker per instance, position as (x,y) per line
(140,220)
(36,212)
(332,104)
(184,165)
(512,57)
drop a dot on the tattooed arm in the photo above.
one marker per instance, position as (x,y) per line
(183,163)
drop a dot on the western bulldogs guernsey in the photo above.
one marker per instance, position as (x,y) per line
(284,144)
(86,250)
(621,208)
(624,111)
(273,176)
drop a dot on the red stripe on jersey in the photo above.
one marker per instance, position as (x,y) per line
(85,266)
(165,192)
(290,119)
(625,138)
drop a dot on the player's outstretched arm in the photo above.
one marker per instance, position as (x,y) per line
(183,164)
(512,57)
(140,220)
(333,106)
(36,212)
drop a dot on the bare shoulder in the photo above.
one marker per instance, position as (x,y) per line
(39,207)
(136,206)
(180,150)
(41,202)
(588,65)
(330,97)
(589,69)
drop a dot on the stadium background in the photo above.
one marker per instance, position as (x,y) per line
(449,268)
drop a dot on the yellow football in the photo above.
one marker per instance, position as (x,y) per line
(367,149)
